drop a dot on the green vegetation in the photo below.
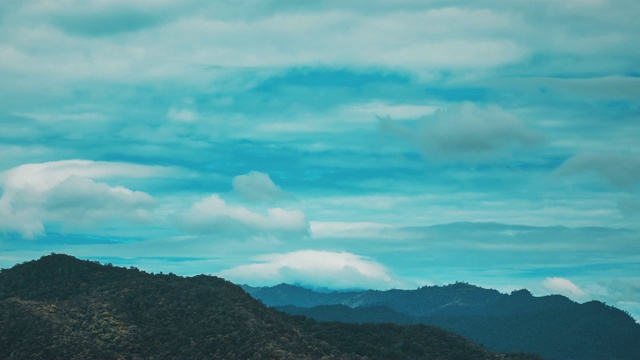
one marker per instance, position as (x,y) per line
(60,307)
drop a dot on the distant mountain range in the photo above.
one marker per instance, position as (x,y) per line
(59,307)
(552,326)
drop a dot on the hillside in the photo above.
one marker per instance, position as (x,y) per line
(60,307)
(553,326)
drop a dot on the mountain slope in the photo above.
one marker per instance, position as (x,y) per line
(552,326)
(60,307)
(343,313)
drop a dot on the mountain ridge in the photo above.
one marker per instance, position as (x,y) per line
(553,325)
(60,307)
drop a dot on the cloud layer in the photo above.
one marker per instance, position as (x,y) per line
(336,270)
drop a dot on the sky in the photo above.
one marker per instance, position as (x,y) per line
(337,144)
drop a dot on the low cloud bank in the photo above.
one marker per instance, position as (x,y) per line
(313,268)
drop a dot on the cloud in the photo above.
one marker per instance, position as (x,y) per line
(81,117)
(257,186)
(327,38)
(562,286)
(182,115)
(336,270)
(629,208)
(78,199)
(587,89)
(97,18)
(621,171)
(189,38)
(213,215)
(44,176)
(104,23)
(467,132)
(395,111)
(422,37)
(66,192)
(340,229)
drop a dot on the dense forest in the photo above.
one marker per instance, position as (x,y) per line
(59,307)
(552,326)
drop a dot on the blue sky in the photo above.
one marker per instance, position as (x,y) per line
(360,144)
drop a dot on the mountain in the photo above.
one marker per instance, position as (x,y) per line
(343,313)
(552,326)
(59,307)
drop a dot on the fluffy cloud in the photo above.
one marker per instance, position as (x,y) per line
(467,132)
(622,171)
(257,186)
(66,192)
(562,286)
(212,214)
(336,270)
(84,200)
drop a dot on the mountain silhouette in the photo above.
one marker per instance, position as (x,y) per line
(553,326)
(59,307)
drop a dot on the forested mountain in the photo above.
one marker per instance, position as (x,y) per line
(553,326)
(60,307)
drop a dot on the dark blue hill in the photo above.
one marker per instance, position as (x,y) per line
(553,326)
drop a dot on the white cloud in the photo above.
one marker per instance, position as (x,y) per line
(66,192)
(370,110)
(83,200)
(619,170)
(257,186)
(182,115)
(336,270)
(212,214)
(467,132)
(44,176)
(64,41)
(562,286)
(328,38)
(423,39)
